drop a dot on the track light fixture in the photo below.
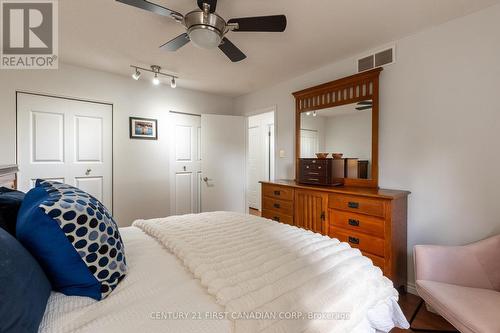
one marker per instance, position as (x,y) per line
(156,70)
(136,75)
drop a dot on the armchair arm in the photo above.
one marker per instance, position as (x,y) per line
(450,264)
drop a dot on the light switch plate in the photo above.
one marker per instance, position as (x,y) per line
(282,153)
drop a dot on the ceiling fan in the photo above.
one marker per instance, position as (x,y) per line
(364,105)
(206,29)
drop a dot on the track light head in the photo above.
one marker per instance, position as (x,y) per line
(156,70)
(156,80)
(136,75)
(173,83)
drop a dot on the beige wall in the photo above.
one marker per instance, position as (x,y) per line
(141,168)
(439,127)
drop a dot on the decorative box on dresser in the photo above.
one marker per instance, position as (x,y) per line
(373,220)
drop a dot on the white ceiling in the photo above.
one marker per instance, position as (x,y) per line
(110,36)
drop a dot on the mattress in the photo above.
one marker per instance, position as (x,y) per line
(160,295)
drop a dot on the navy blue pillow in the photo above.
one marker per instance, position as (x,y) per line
(10,201)
(74,238)
(24,288)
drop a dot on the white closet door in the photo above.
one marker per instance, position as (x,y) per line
(223,163)
(67,141)
(185,169)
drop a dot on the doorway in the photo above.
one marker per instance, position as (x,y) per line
(207,163)
(260,155)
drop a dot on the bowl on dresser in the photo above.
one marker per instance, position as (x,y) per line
(337,156)
(322,155)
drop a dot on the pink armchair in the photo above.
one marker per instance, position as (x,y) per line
(462,283)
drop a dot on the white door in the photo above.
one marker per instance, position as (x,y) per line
(260,156)
(309,143)
(223,163)
(67,141)
(185,167)
(270,153)
(254,163)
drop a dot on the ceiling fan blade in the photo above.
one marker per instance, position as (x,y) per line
(152,7)
(361,108)
(231,51)
(211,3)
(176,43)
(365,103)
(275,23)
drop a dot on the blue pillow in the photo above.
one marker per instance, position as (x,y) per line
(24,288)
(10,201)
(74,238)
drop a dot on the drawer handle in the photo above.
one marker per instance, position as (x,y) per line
(354,205)
(277,205)
(319,167)
(353,240)
(307,166)
(277,192)
(314,173)
(354,223)
(314,179)
(276,218)
(313,161)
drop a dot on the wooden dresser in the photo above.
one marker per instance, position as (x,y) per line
(373,220)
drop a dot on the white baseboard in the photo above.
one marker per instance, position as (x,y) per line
(411,288)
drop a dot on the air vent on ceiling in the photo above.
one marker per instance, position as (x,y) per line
(377,59)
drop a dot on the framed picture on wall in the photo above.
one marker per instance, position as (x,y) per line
(143,128)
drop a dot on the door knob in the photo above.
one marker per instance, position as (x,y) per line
(205,179)
(88,172)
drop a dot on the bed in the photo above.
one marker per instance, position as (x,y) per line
(226,272)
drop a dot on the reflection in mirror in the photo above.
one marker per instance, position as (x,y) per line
(346,130)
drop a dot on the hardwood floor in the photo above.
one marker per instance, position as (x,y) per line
(424,321)
(253,211)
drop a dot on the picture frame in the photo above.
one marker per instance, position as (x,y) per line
(143,128)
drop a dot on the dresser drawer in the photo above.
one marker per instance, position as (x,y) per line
(278,217)
(277,192)
(366,224)
(352,203)
(314,173)
(314,165)
(280,206)
(377,261)
(314,180)
(365,243)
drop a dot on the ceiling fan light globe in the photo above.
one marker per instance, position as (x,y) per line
(204,37)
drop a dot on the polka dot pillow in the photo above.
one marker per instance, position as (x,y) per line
(74,238)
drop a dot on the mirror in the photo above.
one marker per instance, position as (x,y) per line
(340,116)
(345,130)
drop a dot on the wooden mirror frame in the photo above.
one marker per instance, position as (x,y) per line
(348,90)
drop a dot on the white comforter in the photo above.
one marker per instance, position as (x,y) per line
(274,278)
(248,264)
